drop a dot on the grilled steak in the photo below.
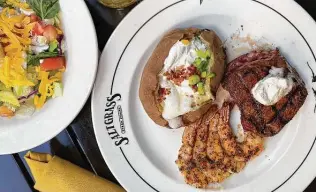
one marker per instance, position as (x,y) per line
(210,152)
(242,75)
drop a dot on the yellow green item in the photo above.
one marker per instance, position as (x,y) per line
(9,97)
(194,79)
(200,87)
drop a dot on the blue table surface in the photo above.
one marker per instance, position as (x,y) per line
(77,143)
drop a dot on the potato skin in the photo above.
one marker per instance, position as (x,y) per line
(149,82)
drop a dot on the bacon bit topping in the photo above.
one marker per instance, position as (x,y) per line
(195,88)
(163,92)
(180,74)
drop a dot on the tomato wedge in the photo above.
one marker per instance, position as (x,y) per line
(34,18)
(38,29)
(50,32)
(55,63)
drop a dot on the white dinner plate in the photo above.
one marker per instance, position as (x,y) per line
(141,154)
(19,134)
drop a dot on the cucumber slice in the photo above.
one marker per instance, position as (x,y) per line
(58,90)
(22,90)
(4,88)
(9,97)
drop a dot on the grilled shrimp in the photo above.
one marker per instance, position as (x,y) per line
(253,145)
(225,133)
(210,152)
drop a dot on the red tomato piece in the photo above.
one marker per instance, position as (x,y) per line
(34,18)
(38,29)
(54,63)
(50,32)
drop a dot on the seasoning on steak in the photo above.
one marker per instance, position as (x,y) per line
(242,75)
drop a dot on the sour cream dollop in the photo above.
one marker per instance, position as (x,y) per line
(273,87)
(181,98)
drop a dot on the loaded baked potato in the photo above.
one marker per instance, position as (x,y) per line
(180,79)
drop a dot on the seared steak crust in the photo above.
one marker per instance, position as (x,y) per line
(242,75)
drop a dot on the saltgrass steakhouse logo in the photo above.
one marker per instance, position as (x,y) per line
(121,119)
(109,120)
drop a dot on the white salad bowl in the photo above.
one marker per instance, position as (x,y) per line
(19,134)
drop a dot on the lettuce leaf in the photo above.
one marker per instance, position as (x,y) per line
(35,59)
(45,9)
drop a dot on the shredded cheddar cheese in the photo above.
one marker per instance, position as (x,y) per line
(16,39)
(46,88)
(20,67)
(19,4)
(12,73)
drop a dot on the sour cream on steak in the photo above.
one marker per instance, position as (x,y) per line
(273,87)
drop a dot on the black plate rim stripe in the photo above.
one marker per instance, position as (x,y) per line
(115,75)
(185,0)
(310,48)
(136,171)
(135,35)
(296,169)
